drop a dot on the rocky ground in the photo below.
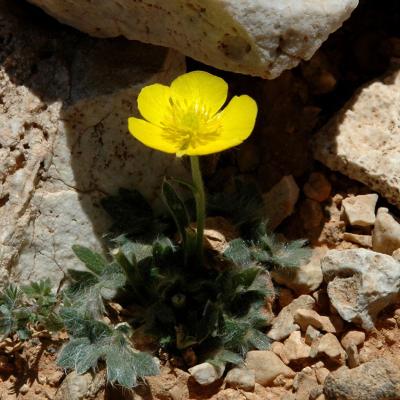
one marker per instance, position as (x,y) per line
(325,152)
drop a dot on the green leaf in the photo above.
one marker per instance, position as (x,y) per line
(238,252)
(176,207)
(93,261)
(70,352)
(259,340)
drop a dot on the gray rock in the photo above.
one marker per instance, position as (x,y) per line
(64,140)
(375,380)
(361,283)
(304,383)
(283,325)
(77,387)
(267,366)
(363,140)
(386,234)
(247,36)
(241,378)
(205,373)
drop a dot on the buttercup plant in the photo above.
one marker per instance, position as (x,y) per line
(215,312)
(186,119)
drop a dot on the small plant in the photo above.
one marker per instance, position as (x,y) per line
(182,296)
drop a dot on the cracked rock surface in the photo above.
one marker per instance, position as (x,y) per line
(64,144)
(362,140)
(256,37)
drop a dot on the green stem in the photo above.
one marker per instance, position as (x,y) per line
(200,204)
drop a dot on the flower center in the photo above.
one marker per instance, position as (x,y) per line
(190,125)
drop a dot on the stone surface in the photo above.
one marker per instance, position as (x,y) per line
(352,338)
(205,373)
(361,283)
(306,278)
(317,187)
(353,357)
(321,374)
(305,318)
(295,348)
(386,234)
(375,380)
(252,37)
(241,378)
(328,345)
(173,384)
(362,240)
(283,325)
(280,201)
(360,210)
(362,141)
(64,143)
(74,387)
(267,366)
(304,382)
(311,335)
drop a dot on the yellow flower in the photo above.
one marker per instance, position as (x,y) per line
(185,118)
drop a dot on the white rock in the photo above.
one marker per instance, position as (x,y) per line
(267,366)
(361,283)
(306,278)
(255,37)
(363,140)
(360,210)
(241,378)
(73,148)
(386,234)
(283,324)
(205,373)
(280,201)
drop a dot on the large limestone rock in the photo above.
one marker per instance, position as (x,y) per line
(363,140)
(375,380)
(361,283)
(257,37)
(65,100)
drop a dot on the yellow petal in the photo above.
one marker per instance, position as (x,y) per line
(199,86)
(154,102)
(238,119)
(150,135)
(213,147)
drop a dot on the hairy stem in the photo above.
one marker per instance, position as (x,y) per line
(200,198)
